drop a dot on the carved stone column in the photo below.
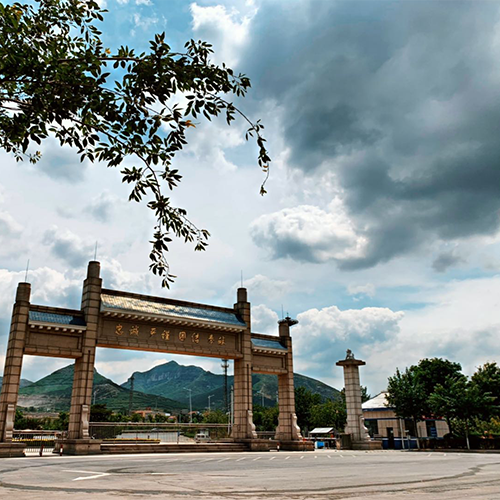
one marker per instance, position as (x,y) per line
(81,397)
(287,429)
(243,427)
(355,422)
(12,371)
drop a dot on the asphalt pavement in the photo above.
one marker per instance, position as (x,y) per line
(323,474)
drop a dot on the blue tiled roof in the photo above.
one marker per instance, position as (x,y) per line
(145,306)
(59,319)
(268,344)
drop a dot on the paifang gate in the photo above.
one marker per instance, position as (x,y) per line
(122,320)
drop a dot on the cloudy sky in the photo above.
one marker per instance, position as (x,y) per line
(380,232)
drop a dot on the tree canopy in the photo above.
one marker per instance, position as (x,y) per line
(436,388)
(406,394)
(57,79)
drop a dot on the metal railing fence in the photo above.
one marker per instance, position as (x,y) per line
(38,442)
(158,432)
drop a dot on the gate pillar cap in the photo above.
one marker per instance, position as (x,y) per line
(23,292)
(242,295)
(94,269)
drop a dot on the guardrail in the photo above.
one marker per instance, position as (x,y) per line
(163,433)
(38,442)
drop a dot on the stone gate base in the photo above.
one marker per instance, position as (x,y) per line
(10,449)
(80,446)
(296,445)
(367,445)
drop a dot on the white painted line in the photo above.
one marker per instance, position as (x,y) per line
(91,477)
(272,458)
(258,458)
(223,460)
(315,456)
(302,457)
(82,471)
(240,459)
(287,457)
(329,456)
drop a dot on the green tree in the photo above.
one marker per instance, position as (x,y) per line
(459,399)
(100,413)
(431,372)
(19,420)
(304,401)
(406,394)
(215,417)
(329,414)
(58,79)
(265,418)
(62,421)
(487,379)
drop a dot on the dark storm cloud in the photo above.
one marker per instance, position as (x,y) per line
(402,101)
(446,260)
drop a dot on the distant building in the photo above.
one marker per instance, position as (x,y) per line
(382,423)
(148,411)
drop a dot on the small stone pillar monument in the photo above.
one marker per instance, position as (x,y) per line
(355,427)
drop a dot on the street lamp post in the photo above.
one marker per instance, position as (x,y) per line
(190,406)
(262,397)
(209,398)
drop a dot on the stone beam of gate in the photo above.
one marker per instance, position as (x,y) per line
(139,322)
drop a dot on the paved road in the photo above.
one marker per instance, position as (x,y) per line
(378,475)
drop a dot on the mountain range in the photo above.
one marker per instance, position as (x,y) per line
(176,381)
(53,393)
(166,387)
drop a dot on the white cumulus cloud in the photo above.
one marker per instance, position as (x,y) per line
(309,234)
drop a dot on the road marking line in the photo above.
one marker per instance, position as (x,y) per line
(223,460)
(240,459)
(315,456)
(302,457)
(329,456)
(82,471)
(83,478)
(272,458)
(287,457)
(258,458)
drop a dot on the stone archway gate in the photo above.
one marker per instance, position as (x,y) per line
(122,320)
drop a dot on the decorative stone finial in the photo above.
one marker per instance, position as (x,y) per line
(288,321)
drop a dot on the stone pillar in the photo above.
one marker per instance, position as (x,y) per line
(13,364)
(243,427)
(81,397)
(287,429)
(355,426)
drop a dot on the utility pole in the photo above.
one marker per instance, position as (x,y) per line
(225,365)
(190,406)
(262,397)
(209,398)
(131,395)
